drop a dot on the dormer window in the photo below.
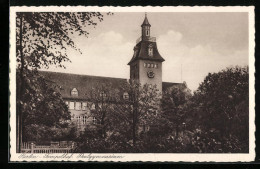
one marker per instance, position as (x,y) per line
(74,92)
(150,50)
(126,96)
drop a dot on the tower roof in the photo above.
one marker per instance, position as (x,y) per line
(142,52)
(146,22)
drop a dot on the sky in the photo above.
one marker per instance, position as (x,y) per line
(192,44)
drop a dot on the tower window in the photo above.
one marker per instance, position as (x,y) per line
(147,32)
(152,65)
(148,65)
(150,51)
(155,66)
(145,65)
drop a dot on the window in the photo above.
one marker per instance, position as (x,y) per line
(150,51)
(71,105)
(152,65)
(84,119)
(67,103)
(94,120)
(148,65)
(147,32)
(74,92)
(72,116)
(84,106)
(155,66)
(103,95)
(93,107)
(145,65)
(78,106)
(126,96)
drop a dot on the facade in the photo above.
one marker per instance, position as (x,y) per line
(145,67)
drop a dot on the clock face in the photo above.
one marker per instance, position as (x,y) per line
(150,74)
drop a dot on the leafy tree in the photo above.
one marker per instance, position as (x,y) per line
(139,109)
(41,40)
(127,110)
(102,96)
(222,101)
(174,107)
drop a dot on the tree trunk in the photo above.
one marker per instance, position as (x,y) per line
(177,132)
(20,91)
(134,124)
(103,133)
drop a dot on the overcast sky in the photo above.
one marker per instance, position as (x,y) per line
(200,42)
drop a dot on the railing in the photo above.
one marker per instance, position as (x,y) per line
(150,39)
(32,148)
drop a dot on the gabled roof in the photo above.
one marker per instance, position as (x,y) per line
(84,83)
(142,52)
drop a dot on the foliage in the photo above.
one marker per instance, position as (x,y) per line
(140,109)
(213,120)
(174,106)
(222,107)
(40,97)
(42,39)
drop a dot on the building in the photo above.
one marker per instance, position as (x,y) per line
(145,67)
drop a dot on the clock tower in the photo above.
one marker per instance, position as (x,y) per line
(146,63)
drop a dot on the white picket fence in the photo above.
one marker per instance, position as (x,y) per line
(32,148)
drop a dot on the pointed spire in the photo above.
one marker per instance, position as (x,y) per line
(145,23)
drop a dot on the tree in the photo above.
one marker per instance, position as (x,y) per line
(222,102)
(102,96)
(139,107)
(41,40)
(174,107)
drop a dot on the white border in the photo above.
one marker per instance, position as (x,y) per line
(152,157)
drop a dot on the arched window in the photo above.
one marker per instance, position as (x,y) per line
(74,92)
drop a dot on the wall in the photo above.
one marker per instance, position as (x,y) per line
(143,73)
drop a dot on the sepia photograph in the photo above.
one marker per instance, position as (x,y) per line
(132,84)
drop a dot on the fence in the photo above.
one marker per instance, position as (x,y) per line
(33,148)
